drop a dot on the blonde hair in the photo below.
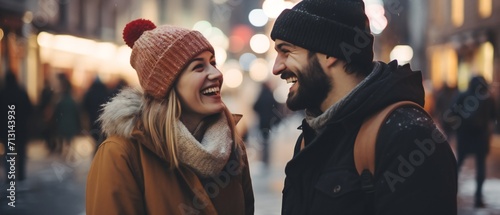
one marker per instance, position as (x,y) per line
(159,118)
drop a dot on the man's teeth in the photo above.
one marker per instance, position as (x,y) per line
(291,80)
(211,90)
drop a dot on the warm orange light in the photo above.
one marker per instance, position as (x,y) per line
(485,8)
(457,12)
(483,61)
(444,66)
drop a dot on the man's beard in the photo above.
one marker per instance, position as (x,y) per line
(313,87)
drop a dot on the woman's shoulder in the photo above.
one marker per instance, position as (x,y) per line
(117,145)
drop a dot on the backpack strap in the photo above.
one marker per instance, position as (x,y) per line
(364,146)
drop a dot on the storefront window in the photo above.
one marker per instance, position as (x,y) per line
(2,64)
(437,14)
(457,12)
(485,8)
(479,63)
(464,75)
(483,60)
(443,66)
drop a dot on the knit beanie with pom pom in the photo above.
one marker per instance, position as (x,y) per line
(159,54)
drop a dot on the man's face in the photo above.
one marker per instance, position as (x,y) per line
(310,84)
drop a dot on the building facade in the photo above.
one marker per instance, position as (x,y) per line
(463,40)
(83,38)
(12,40)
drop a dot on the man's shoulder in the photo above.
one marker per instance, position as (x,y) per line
(405,127)
(407,118)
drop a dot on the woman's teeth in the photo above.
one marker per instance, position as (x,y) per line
(211,90)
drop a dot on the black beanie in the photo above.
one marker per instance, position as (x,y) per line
(337,28)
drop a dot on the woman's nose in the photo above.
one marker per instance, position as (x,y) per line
(214,73)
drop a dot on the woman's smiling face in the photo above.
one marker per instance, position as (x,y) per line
(198,87)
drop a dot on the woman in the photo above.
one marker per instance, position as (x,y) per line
(171,149)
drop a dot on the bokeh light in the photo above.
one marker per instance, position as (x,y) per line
(28,17)
(203,26)
(260,43)
(246,59)
(1,34)
(402,53)
(218,38)
(233,78)
(259,70)
(240,36)
(213,34)
(258,18)
(123,58)
(273,8)
(105,51)
(220,55)
(236,44)
(376,15)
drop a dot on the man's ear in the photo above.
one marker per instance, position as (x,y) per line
(328,61)
(331,61)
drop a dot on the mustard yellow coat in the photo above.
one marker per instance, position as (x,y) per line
(127,175)
(127,178)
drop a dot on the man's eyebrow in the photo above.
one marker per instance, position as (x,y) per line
(281,45)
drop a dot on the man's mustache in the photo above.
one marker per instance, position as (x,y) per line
(287,74)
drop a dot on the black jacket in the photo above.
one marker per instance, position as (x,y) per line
(415,167)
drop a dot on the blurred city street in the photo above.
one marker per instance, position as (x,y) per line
(491,187)
(56,185)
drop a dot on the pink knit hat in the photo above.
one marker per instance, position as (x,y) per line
(159,54)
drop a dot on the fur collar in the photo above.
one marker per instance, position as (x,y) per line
(119,115)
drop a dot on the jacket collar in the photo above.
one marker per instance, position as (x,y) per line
(121,117)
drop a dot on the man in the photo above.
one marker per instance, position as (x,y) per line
(325,50)
(472,115)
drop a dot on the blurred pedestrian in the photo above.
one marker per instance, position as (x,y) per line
(325,51)
(66,118)
(118,87)
(171,149)
(45,111)
(474,112)
(266,108)
(444,99)
(94,98)
(17,113)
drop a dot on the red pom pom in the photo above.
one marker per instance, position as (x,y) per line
(133,30)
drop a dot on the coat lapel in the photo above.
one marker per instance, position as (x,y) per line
(202,199)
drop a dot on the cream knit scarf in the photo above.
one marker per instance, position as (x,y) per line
(209,157)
